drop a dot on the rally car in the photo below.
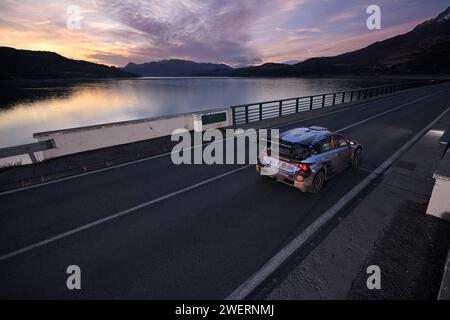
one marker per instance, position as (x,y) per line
(307,157)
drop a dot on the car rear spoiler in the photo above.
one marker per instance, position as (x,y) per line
(287,150)
(269,143)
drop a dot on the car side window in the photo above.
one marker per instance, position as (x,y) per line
(326,145)
(341,142)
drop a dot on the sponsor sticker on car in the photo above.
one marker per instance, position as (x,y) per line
(281,165)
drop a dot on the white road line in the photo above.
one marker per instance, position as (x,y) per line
(284,254)
(130,210)
(390,110)
(168,153)
(117,215)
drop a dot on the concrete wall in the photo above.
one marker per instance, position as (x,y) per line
(75,140)
(439,205)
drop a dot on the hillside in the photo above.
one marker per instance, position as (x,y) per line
(26,64)
(176,68)
(425,49)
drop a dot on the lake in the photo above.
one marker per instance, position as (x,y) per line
(44,106)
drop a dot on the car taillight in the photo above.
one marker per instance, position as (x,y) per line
(303,167)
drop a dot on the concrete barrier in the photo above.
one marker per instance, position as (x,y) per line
(75,140)
(439,205)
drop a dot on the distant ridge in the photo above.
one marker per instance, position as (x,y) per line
(423,50)
(27,64)
(176,68)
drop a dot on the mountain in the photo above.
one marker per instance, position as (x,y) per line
(177,68)
(26,64)
(292,62)
(425,49)
(266,70)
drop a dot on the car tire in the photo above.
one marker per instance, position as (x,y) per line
(356,160)
(318,182)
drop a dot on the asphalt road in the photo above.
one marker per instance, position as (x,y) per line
(193,241)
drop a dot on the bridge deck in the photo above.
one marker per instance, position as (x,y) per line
(155,230)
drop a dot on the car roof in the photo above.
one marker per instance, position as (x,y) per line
(306,136)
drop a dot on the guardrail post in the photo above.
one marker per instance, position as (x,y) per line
(310,103)
(334,99)
(343,97)
(296,105)
(260,111)
(359,94)
(351,96)
(280,112)
(323,101)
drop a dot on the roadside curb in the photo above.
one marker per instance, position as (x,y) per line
(444,291)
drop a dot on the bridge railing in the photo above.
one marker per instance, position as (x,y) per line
(252,112)
(29,149)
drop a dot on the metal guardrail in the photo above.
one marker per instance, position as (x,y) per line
(252,112)
(29,149)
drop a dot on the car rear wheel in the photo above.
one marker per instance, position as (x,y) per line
(318,182)
(357,158)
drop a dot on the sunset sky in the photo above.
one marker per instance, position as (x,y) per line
(236,32)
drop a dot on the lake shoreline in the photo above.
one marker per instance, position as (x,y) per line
(23,83)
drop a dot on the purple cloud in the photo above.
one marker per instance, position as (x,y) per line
(214,30)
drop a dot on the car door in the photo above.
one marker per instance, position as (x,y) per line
(343,151)
(328,156)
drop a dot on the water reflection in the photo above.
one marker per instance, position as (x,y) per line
(43,106)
